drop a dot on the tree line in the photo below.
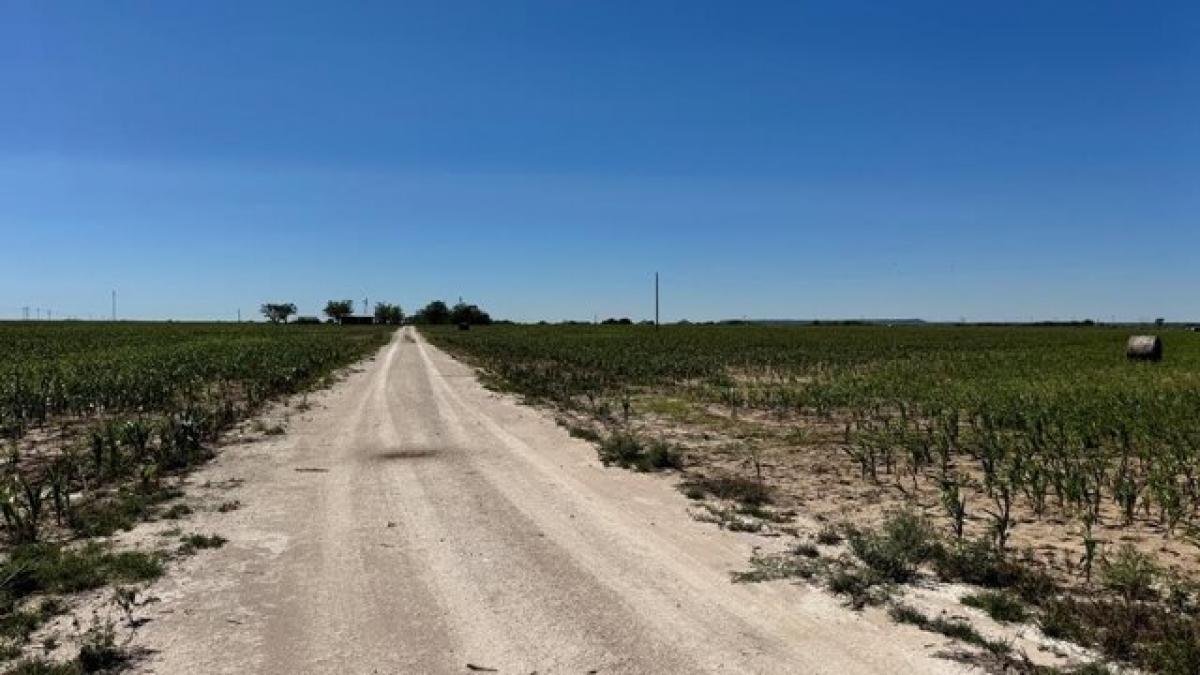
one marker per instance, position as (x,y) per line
(435,313)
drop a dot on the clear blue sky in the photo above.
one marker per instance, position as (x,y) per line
(1001,160)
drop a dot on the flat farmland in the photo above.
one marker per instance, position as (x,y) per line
(1038,447)
(69,372)
(100,423)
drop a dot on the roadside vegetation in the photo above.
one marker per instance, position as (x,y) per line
(99,420)
(1035,462)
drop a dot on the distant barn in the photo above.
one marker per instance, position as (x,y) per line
(356,320)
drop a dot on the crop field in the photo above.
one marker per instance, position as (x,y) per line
(1038,445)
(94,401)
(206,373)
(97,418)
(1055,419)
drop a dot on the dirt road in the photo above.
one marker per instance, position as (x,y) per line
(413,522)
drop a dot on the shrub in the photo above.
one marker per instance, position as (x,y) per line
(858,585)
(904,541)
(1131,574)
(628,452)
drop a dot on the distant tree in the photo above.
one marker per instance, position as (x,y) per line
(385,313)
(278,312)
(1159,321)
(611,321)
(435,313)
(470,315)
(337,309)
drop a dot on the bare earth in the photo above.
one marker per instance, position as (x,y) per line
(413,522)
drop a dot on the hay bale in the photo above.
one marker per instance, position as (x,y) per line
(1144,348)
(464,326)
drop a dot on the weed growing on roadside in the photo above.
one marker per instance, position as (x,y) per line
(904,541)
(732,488)
(952,628)
(629,452)
(52,568)
(1001,606)
(194,542)
(829,536)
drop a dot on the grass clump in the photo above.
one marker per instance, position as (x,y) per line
(99,650)
(860,587)
(978,563)
(629,452)
(105,516)
(894,551)
(16,625)
(191,543)
(829,536)
(38,666)
(1150,636)
(585,433)
(177,511)
(1130,574)
(771,568)
(806,550)
(733,488)
(951,628)
(51,568)
(730,519)
(1001,606)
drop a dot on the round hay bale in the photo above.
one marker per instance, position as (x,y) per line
(1144,348)
(464,326)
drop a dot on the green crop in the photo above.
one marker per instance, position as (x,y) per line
(128,403)
(1047,417)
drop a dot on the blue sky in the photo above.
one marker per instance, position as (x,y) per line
(1004,161)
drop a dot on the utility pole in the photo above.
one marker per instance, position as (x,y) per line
(656,299)
(114,305)
(25,312)
(239,314)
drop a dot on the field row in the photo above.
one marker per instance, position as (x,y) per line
(1054,418)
